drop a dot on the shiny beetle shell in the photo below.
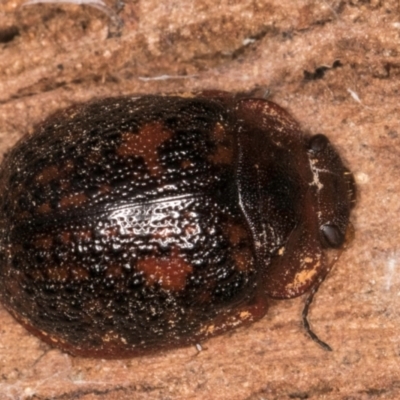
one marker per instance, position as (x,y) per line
(133,224)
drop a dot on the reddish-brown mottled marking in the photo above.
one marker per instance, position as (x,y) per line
(48,174)
(145,144)
(236,233)
(222,155)
(44,208)
(243,259)
(104,189)
(65,237)
(186,164)
(169,272)
(73,200)
(219,132)
(16,248)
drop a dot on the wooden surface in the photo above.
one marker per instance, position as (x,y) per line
(54,55)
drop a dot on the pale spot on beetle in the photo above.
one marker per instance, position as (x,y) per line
(233,321)
(145,144)
(114,338)
(244,315)
(108,337)
(281,251)
(73,200)
(304,276)
(208,329)
(169,272)
(315,173)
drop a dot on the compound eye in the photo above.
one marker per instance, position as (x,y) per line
(318,143)
(332,235)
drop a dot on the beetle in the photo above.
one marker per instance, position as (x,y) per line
(134,224)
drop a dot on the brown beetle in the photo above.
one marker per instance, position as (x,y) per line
(133,224)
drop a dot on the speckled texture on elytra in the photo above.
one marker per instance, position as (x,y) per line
(132,224)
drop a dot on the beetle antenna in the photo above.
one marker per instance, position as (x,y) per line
(306,308)
(349,237)
(309,299)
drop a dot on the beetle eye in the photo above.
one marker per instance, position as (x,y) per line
(332,235)
(318,143)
